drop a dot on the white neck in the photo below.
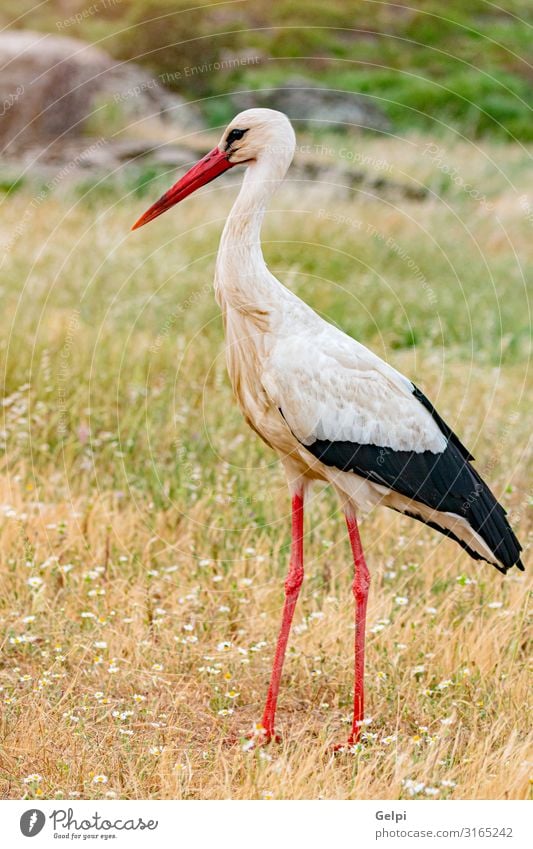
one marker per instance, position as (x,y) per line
(242,280)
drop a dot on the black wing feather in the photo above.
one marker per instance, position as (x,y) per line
(444,428)
(444,482)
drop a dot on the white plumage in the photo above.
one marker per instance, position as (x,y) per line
(336,389)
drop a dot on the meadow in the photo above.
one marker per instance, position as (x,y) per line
(144,530)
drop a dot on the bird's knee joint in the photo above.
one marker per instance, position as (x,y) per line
(360,587)
(294,582)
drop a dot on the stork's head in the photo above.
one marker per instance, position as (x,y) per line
(254,137)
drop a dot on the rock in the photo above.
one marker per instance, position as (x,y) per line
(52,87)
(310,104)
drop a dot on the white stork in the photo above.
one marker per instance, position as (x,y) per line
(330,408)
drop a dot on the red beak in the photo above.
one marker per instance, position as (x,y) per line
(213,164)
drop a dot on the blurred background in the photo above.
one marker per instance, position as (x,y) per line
(417,66)
(144,531)
(425,66)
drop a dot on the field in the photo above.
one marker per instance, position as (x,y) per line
(144,533)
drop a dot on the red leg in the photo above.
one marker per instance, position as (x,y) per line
(292,590)
(361,585)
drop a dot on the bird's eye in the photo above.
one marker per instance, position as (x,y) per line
(234,135)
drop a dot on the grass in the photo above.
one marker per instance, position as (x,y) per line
(144,535)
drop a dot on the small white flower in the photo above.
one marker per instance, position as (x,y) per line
(35,582)
(431,791)
(401,600)
(390,739)
(225,646)
(100,644)
(464,581)
(33,778)
(418,670)
(100,779)
(413,787)
(431,611)
(447,783)
(494,605)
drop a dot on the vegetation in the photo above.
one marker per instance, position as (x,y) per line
(145,530)
(428,64)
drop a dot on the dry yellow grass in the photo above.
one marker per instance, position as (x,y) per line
(145,533)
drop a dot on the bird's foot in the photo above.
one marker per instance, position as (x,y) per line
(255,739)
(256,742)
(351,746)
(347,748)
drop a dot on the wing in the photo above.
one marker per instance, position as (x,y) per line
(355,413)
(347,395)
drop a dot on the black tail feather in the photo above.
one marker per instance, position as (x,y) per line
(445,482)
